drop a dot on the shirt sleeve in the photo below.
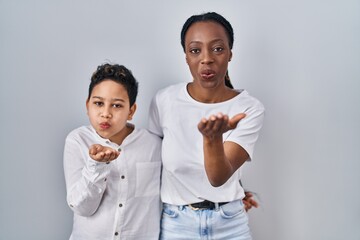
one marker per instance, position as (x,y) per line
(154,125)
(85,179)
(247,131)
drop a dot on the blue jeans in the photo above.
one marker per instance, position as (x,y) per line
(228,222)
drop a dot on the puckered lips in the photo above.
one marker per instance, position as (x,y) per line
(104,125)
(207,73)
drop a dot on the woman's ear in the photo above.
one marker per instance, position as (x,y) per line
(132,111)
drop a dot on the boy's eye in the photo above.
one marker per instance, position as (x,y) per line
(117,105)
(99,104)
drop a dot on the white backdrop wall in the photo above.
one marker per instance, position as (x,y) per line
(300,58)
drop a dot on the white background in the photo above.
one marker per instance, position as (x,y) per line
(300,58)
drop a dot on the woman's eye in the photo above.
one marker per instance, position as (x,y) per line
(194,50)
(218,49)
(99,104)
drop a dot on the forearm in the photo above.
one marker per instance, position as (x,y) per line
(85,194)
(85,179)
(218,168)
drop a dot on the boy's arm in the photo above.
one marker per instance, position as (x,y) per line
(85,179)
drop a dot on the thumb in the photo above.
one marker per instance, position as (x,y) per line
(235,120)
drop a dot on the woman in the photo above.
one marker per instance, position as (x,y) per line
(209,130)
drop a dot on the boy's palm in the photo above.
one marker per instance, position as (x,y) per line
(103,154)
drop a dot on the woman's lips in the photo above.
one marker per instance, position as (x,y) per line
(207,74)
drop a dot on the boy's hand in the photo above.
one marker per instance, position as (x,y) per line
(103,154)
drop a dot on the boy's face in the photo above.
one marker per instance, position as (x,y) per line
(109,110)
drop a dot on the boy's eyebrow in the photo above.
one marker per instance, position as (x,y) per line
(118,99)
(113,99)
(97,97)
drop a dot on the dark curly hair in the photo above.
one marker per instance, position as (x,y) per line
(117,73)
(210,17)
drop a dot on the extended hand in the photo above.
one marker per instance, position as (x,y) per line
(102,154)
(218,124)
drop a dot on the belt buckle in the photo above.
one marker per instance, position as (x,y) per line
(194,208)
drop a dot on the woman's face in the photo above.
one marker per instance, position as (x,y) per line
(207,53)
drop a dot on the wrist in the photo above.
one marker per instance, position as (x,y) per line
(211,140)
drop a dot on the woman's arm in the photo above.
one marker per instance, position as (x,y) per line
(221,160)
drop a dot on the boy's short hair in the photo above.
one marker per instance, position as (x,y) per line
(117,73)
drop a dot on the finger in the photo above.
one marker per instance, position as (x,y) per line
(107,155)
(112,155)
(247,206)
(253,203)
(116,153)
(202,124)
(235,120)
(224,122)
(248,194)
(210,123)
(218,123)
(98,147)
(92,149)
(98,157)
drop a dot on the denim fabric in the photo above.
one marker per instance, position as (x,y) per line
(228,222)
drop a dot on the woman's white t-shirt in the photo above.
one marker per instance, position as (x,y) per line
(174,116)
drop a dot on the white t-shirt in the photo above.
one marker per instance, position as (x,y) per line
(119,200)
(174,115)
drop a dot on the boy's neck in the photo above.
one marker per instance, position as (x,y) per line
(128,129)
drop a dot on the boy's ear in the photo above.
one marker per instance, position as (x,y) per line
(132,111)
(87,106)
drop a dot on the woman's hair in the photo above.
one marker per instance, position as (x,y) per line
(116,73)
(210,17)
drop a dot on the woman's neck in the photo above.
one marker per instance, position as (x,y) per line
(213,95)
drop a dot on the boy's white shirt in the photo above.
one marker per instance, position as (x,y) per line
(119,200)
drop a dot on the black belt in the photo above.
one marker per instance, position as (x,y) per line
(205,205)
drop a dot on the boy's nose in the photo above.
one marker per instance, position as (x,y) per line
(106,114)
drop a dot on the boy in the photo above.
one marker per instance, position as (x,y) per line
(112,169)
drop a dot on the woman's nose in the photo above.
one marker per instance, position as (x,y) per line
(206,57)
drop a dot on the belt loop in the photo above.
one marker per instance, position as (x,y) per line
(217,206)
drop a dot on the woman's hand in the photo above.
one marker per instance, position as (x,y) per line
(103,154)
(249,201)
(218,124)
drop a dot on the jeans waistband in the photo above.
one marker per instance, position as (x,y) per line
(206,205)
